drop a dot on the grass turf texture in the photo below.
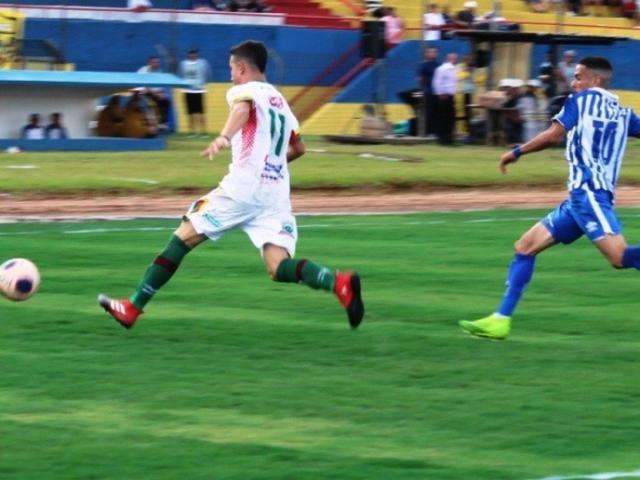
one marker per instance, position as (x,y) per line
(181,167)
(231,376)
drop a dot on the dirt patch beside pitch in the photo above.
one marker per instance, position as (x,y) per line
(31,206)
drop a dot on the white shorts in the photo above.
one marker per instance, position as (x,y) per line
(216,213)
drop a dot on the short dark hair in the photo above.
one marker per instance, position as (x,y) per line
(253,52)
(597,63)
(600,66)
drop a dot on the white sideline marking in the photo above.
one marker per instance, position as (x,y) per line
(105,230)
(379,157)
(85,231)
(146,181)
(21,167)
(597,476)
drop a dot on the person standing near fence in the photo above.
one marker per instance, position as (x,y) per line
(197,72)
(445,82)
(425,74)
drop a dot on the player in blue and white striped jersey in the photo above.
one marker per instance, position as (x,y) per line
(596,128)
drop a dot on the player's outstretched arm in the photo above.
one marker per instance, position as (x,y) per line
(551,136)
(296,148)
(237,119)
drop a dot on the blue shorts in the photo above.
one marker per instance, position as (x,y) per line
(584,212)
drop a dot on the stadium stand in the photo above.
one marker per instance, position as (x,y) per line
(327,88)
(308,13)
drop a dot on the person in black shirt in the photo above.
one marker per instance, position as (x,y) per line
(32,130)
(425,77)
(547,75)
(466,17)
(55,130)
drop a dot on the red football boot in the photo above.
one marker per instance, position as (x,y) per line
(123,311)
(347,289)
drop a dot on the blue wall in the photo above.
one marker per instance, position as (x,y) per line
(122,46)
(624,56)
(303,52)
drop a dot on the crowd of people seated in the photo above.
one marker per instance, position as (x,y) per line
(34,130)
(256,6)
(528,106)
(438,20)
(135,116)
(467,16)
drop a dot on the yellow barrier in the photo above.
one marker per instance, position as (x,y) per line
(11,28)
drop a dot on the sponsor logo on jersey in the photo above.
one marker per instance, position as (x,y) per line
(276,102)
(287,229)
(272,172)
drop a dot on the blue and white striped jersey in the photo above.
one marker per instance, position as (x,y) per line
(597,130)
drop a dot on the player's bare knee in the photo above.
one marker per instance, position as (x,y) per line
(523,247)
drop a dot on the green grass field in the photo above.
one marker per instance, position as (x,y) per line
(231,376)
(325,166)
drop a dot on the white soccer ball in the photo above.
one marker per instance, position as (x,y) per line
(19,279)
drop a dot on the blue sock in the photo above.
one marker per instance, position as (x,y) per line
(520,273)
(631,258)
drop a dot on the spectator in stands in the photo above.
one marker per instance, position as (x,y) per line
(33,130)
(467,87)
(197,71)
(56,130)
(139,5)
(445,82)
(139,122)
(425,79)
(153,65)
(374,8)
(565,71)
(393,28)
(466,17)
(158,101)
(255,6)
(513,119)
(433,21)
(446,14)
(575,7)
(111,119)
(530,107)
(547,75)
(156,98)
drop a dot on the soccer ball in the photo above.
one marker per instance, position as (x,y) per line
(19,279)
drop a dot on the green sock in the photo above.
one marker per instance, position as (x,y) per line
(307,272)
(160,271)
